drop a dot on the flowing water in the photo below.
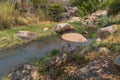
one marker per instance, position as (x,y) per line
(20,55)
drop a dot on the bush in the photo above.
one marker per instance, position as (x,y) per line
(54,52)
(105,4)
(114,7)
(4,23)
(85,6)
(55,10)
(106,21)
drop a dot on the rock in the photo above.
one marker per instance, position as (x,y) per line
(65,16)
(117,62)
(25,72)
(74,37)
(62,27)
(35,74)
(103,33)
(100,13)
(69,12)
(88,22)
(73,10)
(26,35)
(103,50)
(100,68)
(98,40)
(45,29)
(85,32)
(74,19)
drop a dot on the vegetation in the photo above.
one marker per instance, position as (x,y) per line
(55,10)
(114,7)
(85,6)
(7,38)
(61,64)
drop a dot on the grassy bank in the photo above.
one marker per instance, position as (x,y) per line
(8,39)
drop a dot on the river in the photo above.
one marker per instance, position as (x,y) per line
(30,52)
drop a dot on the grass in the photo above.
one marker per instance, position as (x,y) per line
(42,62)
(8,39)
(92,31)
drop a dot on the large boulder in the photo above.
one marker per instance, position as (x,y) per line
(103,33)
(26,35)
(117,62)
(63,27)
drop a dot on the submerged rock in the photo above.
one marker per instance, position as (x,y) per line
(26,35)
(103,33)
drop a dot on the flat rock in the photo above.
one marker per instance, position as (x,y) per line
(74,37)
(26,35)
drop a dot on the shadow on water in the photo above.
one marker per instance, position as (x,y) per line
(27,53)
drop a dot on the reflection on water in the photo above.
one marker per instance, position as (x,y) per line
(12,57)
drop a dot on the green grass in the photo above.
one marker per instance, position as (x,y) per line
(8,39)
(92,31)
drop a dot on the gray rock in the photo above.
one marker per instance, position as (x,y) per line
(117,62)
(103,33)
(62,27)
(26,35)
(23,72)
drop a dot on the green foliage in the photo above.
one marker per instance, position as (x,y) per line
(55,10)
(85,6)
(54,52)
(114,7)
(41,63)
(106,21)
(77,58)
(5,23)
(105,4)
(38,3)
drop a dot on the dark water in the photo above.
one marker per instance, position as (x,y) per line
(28,53)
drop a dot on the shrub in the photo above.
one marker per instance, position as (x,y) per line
(114,7)
(55,10)
(4,23)
(106,21)
(54,52)
(105,4)
(85,6)
(6,15)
